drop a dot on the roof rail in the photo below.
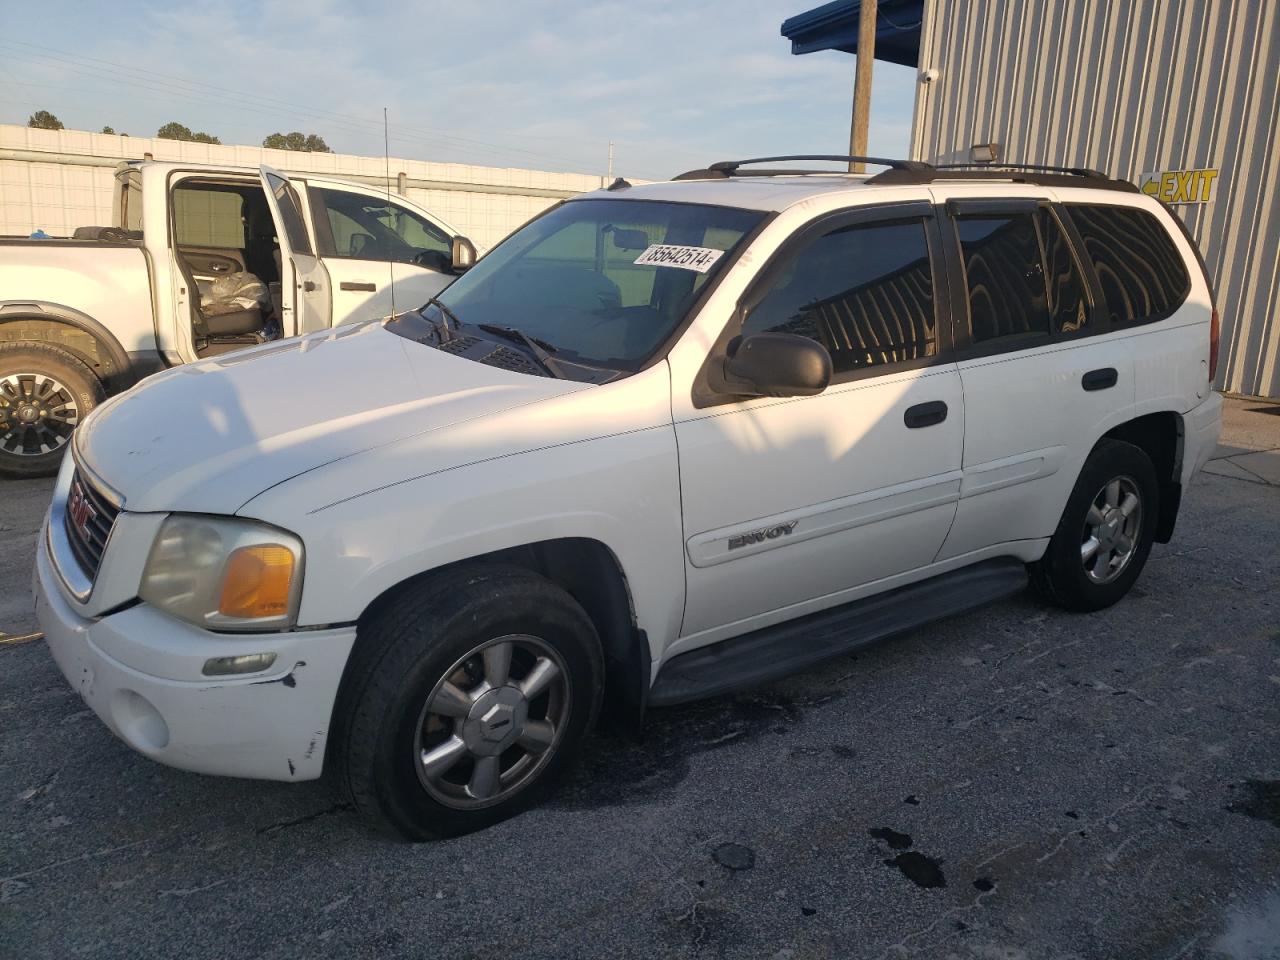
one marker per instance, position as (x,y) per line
(1039,174)
(725,169)
(1074,171)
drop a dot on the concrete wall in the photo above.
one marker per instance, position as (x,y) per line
(57,180)
(1129,88)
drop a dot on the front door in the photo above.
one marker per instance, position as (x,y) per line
(304,283)
(382,256)
(788,503)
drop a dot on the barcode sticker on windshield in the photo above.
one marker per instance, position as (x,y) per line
(699,259)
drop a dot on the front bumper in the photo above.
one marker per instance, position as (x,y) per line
(140,672)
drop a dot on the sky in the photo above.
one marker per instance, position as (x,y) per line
(543,84)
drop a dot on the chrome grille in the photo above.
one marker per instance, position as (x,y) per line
(88,519)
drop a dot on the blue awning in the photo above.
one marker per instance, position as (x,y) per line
(834,26)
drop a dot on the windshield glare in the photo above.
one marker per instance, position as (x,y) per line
(570,278)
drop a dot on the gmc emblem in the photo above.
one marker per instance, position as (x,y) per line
(79,509)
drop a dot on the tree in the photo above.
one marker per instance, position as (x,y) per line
(179,131)
(296,141)
(44,120)
(108,129)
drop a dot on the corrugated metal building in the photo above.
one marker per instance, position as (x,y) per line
(1163,88)
(57,180)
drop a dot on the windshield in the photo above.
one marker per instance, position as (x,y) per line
(601,282)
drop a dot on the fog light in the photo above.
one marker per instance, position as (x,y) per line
(231,666)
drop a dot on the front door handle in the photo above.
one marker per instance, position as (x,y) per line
(1100,379)
(358,285)
(925,414)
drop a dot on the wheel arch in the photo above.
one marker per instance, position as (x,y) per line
(590,572)
(71,330)
(1161,436)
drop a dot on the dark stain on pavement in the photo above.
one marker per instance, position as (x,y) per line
(734,856)
(1261,801)
(921,870)
(895,840)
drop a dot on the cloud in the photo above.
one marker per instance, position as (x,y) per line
(539,84)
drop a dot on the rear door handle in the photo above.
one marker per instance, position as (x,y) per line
(358,285)
(1100,379)
(925,414)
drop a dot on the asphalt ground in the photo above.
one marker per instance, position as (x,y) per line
(1015,784)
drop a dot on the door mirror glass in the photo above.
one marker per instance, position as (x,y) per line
(778,365)
(463,254)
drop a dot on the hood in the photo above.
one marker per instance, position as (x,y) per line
(210,436)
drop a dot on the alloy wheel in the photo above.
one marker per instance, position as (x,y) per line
(37,414)
(492,722)
(1112,528)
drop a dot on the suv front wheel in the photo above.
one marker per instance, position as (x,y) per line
(1106,530)
(466,699)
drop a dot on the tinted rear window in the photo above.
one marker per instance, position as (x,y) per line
(1142,274)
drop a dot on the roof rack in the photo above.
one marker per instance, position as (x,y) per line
(916,172)
(725,169)
(1038,174)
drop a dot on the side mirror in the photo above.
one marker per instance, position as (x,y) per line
(778,365)
(462,254)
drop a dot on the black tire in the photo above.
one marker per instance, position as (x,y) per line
(408,647)
(30,372)
(1061,574)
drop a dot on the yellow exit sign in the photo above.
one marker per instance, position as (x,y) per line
(1179,186)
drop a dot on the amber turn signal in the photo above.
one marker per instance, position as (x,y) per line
(257,582)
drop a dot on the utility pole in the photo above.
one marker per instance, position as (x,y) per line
(862,84)
(610,161)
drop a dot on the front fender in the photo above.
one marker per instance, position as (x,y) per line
(621,490)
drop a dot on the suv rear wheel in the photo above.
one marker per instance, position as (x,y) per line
(44,393)
(465,701)
(1106,531)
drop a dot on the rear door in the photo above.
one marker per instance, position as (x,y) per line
(304,283)
(382,255)
(1040,384)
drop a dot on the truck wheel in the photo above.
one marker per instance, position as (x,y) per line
(1106,531)
(465,701)
(44,393)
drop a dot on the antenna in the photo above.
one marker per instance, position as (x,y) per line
(386,156)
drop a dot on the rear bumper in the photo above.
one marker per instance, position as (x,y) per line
(140,672)
(1202,426)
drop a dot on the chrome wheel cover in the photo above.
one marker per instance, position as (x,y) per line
(37,414)
(492,722)
(1112,528)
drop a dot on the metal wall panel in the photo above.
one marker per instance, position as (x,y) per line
(1127,87)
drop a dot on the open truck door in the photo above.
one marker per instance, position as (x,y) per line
(306,300)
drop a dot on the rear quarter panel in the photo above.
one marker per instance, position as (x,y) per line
(109,283)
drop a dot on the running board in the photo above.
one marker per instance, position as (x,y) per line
(764,655)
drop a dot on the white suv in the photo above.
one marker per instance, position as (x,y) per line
(661,443)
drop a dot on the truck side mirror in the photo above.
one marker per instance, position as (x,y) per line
(462,255)
(778,365)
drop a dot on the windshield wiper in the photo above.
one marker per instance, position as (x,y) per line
(540,349)
(444,330)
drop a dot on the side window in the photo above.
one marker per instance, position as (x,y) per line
(865,292)
(374,229)
(1004,274)
(291,212)
(1068,306)
(205,217)
(1142,274)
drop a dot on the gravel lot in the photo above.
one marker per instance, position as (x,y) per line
(1016,783)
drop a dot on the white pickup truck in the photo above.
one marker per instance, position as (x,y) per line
(201,260)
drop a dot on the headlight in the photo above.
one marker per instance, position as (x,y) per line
(224,573)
